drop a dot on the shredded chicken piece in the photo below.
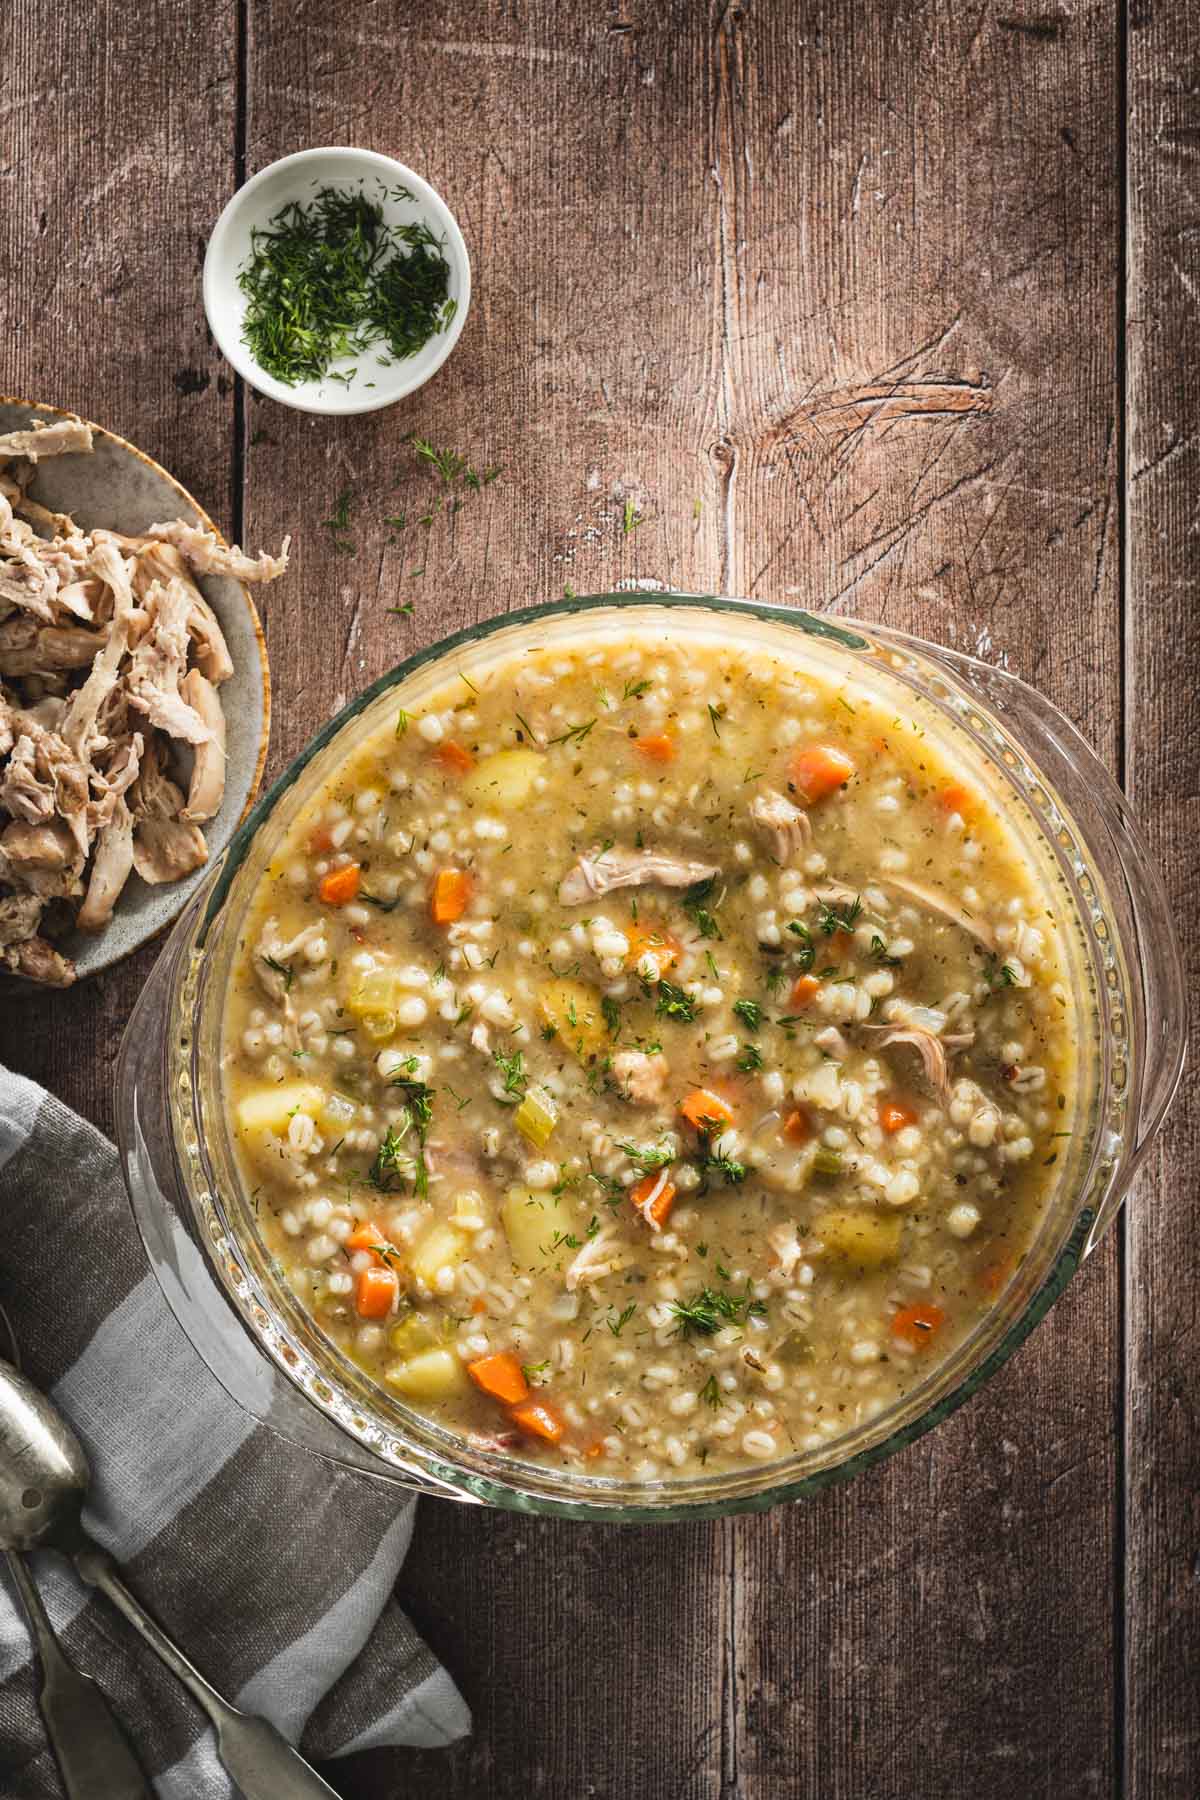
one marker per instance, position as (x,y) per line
(206,789)
(830,1039)
(167,849)
(930,1048)
(600,1256)
(158,664)
(161,562)
(788,827)
(37,960)
(56,439)
(20,915)
(49,647)
(931,900)
(208,556)
(600,871)
(641,1078)
(271,948)
(110,868)
(786,1246)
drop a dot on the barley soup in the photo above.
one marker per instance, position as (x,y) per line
(650,1058)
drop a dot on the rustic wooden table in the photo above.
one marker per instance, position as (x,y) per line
(885,307)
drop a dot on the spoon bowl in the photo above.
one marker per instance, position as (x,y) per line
(43,1470)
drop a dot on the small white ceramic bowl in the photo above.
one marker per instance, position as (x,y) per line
(299,177)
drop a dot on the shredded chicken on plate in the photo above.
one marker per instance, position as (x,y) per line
(111,661)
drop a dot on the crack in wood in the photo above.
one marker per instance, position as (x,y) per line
(830,417)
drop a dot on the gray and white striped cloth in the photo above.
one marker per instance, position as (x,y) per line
(273,1571)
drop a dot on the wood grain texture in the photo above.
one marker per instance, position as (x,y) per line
(1163,478)
(848,276)
(113,163)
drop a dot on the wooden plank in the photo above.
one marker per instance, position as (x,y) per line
(116,156)
(573,153)
(1163,468)
(919,215)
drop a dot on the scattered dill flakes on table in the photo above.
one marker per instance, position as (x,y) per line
(330,278)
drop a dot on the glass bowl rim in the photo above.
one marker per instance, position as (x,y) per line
(849,634)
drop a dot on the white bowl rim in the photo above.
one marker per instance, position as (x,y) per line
(219,247)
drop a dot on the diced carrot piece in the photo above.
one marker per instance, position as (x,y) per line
(456,759)
(660,749)
(594,1449)
(820,770)
(340,885)
(956,798)
(537,1418)
(448,900)
(478,1305)
(917,1326)
(364,1236)
(321,840)
(645,937)
(500,1376)
(706,1110)
(662,1202)
(375,1293)
(894,1114)
(798,1126)
(804,990)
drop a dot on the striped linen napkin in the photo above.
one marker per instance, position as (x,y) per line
(273,1571)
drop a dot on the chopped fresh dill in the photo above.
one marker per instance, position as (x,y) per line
(574,734)
(617,1325)
(693,905)
(611,1010)
(749,1012)
(716,714)
(711,1309)
(386,906)
(710,1393)
(513,1070)
(838,918)
(401,722)
(675,1003)
(749,1059)
(806,955)
(879,951)
(635,689)
(631,518)
(284,969)
(649,1157)
(329,277)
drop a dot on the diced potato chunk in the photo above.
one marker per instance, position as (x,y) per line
(266,1111)
(335,1115)
(441,1247)
(573,1009)
(866,1239)
(531,1223)
(378,991)
(430,1375)
(504,780)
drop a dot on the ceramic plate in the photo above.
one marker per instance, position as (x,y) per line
(119,487)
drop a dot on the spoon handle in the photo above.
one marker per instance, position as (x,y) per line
(89,1746)
(262,1763)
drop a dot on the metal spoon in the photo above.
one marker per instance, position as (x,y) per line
(44,1476)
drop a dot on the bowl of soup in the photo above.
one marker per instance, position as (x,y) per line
(651,1058)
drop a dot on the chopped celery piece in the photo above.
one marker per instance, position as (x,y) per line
(412,1335)
(828,1162)
(536,1117)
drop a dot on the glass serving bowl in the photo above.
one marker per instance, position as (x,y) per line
(196,1217)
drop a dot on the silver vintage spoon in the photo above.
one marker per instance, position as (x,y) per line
(44,1476)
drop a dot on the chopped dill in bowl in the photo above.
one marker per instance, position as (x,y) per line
(331,279)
